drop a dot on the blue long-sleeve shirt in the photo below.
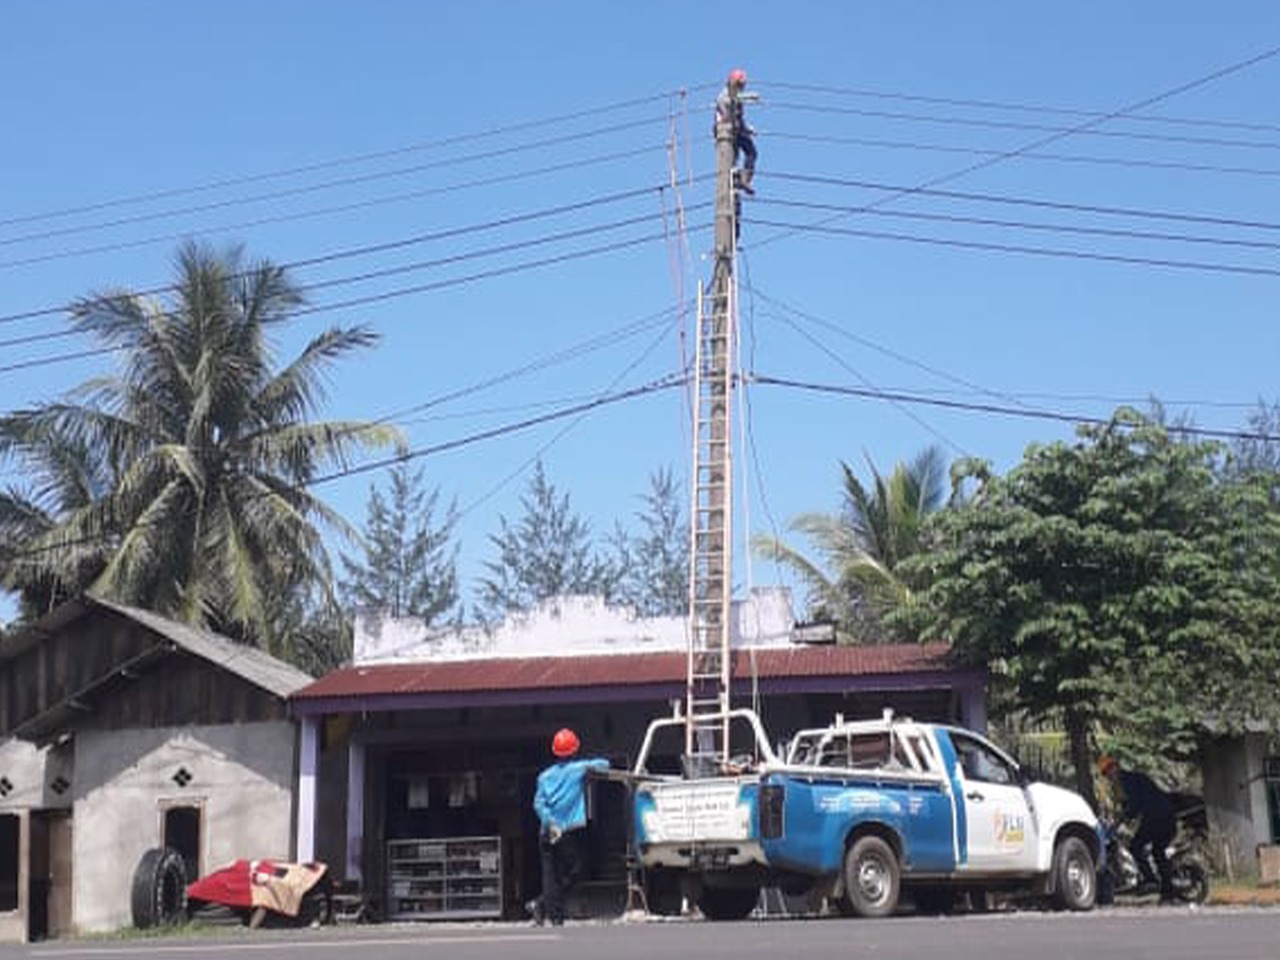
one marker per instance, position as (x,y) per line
(560,799)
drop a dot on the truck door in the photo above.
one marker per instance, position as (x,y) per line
(999,825)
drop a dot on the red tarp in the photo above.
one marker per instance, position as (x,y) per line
(272,884)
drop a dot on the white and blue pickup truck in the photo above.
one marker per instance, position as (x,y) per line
(859,812)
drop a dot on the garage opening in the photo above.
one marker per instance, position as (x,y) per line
(10,834)
(182,833)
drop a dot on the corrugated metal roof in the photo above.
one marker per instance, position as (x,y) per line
(617,670)
(247,662)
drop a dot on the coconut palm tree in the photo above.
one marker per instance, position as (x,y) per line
(198,506)
(853,580)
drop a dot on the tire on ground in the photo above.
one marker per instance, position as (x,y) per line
(872,878)
(1075,876)
(158,895)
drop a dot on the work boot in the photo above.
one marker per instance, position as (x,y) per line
(747,176)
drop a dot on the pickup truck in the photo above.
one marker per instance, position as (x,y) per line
(858,812)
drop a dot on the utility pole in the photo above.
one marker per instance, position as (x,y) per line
(710,580)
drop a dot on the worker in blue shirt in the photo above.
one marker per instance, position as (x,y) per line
(561,805)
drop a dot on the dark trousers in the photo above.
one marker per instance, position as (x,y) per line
(743,144)
(1157,835)
(563,866)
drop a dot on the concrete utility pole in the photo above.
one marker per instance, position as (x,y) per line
(710,581)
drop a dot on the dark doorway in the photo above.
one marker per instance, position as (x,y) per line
(49,885)
(10,836)
(182,833)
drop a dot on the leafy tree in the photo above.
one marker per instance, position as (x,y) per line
(653,565)
(1113,582)
(62,476)
(854,580)
(548,552)
(409,568)
(203,452)
(1256,455)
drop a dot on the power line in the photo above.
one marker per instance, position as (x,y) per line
(1020,107)
(1053,138)
(1027,225)
(400,292)
(328,185)
(1014,125)
(385,246)
(1136,212)
(1139,213)
(347,160)
(1031,155)
(885,351)
(792,228)
(325,211)
(1060,417)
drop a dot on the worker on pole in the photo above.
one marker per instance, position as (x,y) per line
(730,114)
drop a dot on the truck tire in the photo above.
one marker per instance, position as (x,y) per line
(872,878)
(728,903)
(159,892)
(1075,876)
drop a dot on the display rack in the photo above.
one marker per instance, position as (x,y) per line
(450,878)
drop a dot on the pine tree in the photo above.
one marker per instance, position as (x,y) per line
(410,566)
(548,552)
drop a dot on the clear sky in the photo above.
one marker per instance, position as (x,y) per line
(309,130)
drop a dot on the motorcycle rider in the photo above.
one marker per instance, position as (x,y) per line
(1139,798)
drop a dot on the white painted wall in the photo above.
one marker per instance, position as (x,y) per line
(566,626)
(243,776)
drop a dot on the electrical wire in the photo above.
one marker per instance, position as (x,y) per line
(328,185)
(822,228)
(323,211)
(1054,415)
(397,293)
(1015,125)
(349,160)
(1053,138)
(1076,207)
(1030,155)
(1018,107)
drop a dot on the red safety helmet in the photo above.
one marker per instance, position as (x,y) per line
(738,77)
(1107,763)
(564,743)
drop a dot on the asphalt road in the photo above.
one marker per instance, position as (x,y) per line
(1116,934)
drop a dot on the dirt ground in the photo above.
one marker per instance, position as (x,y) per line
(1244,895)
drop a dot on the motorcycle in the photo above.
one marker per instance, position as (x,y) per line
(1118,872)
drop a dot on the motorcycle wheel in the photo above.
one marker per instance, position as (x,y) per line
(1190,881)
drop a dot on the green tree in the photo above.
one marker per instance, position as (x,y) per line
(1113,582)
(547,552)
(62,476)
(409,566)
(653,565)
(206,448)
(854,579)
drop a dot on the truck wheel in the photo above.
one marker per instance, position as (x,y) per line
(1075,878)
(158,895)
(728,903)
(871,878)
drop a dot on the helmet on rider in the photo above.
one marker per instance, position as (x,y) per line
(564,743)
(737,78)
(1106,764)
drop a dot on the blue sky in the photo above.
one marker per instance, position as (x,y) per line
(337,126)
